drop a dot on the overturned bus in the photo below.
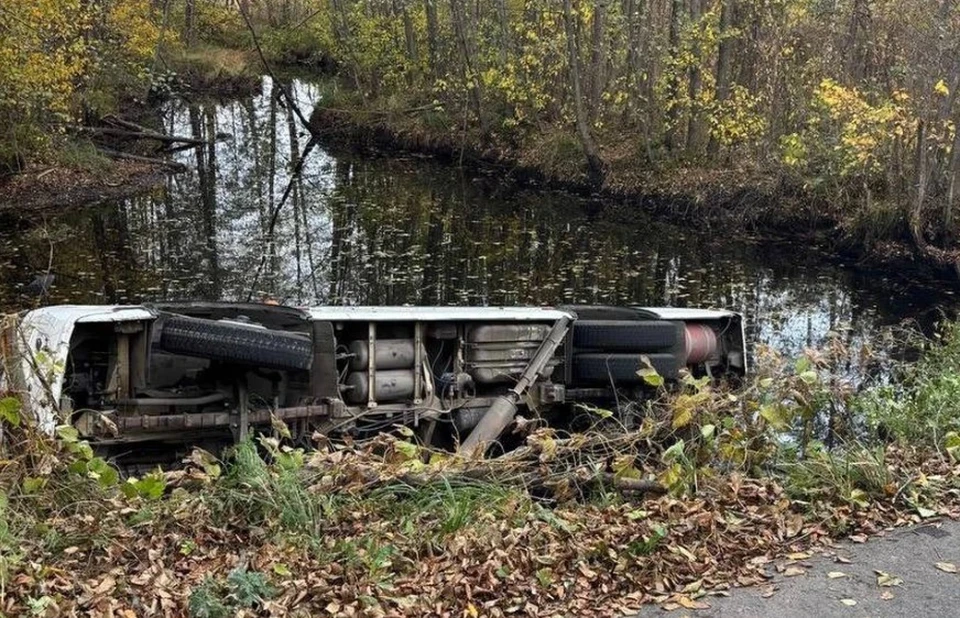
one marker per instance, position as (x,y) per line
(145,380)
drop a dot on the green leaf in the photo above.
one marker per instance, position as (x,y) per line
(598,412)
(151,486)
(10,411)
(545,576)
(281,569)
(809,377)
(952,444)
(129,488)
(651,377)
(675,451)
(68,434)
(623,467)
(774,415)
(407,449)
(682,417)
(859,498)
(103,472)
(33,484)
(83,449)
(708,431)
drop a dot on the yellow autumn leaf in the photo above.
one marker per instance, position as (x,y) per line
(942,89)
(682,418)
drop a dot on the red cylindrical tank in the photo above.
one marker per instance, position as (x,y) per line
(701,341)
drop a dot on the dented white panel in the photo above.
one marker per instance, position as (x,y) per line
(43,341)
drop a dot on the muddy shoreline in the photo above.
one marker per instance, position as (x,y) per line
(46,190)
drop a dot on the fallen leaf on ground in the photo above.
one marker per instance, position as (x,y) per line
(768,592)
(689,603)
(886,595)
(843,560)
(836,574)
(848,602)
(799,555)
(793,571)
(947,567)
(858,538)
(887,580)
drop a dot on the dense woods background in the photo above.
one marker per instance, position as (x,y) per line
(853,101)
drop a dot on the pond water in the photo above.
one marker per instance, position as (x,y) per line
(367,229)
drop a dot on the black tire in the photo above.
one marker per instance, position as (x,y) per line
(235,343)
(605,312)
(621,369)
(624,336)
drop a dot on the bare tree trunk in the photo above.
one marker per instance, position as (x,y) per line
(916,213)
(189,22)
(673,92)
(724,63)
(201,123)
(504,18)
(631,11)
(859,42)
(433,34)
(695,120)
(341,32)
(409,39)
(590,150)
(598,56)
(464,40)
(948,230)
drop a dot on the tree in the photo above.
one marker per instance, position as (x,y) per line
(590,150)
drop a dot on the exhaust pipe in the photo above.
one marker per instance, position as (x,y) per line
(504,408)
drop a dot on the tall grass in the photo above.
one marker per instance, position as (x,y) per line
(262,493)
(922,405)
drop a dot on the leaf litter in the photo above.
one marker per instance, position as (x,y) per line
(592,524)
(369,552)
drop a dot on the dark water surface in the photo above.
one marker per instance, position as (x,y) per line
(394,230)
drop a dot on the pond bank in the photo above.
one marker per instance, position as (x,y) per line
(738,199)
(44,189)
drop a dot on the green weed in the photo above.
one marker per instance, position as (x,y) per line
(206,601)
(248,588)
(922,407)
(272,494)
(855,474)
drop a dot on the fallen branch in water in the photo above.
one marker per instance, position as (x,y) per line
(150,135)
(115,154)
